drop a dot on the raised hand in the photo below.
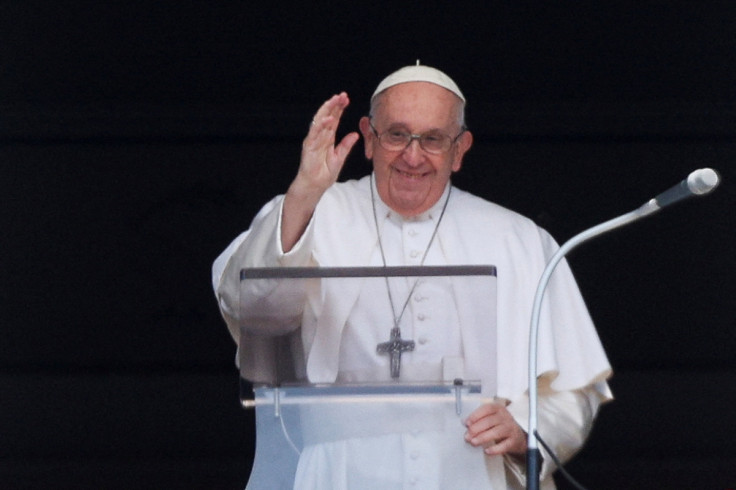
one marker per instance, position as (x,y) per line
(320,165)
(321,159)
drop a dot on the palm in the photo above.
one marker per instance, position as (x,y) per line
(322,159)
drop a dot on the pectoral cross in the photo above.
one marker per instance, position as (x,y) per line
(394,348)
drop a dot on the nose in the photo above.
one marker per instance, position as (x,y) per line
(413,153)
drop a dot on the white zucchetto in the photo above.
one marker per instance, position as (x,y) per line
(419,73)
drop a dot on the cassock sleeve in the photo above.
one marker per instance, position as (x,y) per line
(266,309)
(260,246)
(565,419)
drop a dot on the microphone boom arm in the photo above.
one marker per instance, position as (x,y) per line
(699,182)
(533,452)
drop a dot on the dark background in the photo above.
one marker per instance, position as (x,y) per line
(138,138)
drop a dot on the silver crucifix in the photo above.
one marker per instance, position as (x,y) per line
(394,348)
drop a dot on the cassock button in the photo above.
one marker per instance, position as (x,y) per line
(421,317)
(422,340)
(414,254)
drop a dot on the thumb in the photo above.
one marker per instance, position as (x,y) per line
(346,144)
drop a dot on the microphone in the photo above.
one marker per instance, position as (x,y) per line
(698,183)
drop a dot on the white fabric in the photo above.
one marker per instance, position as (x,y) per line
(473,231)
(398,462)
(419,73)
(429,317)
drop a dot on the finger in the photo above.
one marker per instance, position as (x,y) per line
(510,438)
(337,104)
(483,432)
(514,444)
(484,418)
(481,426)
(485,410)
(343,149)
(480,439)
(329,114)
(501,447)
(498,438)
(323,129)
(321,133)
(490,429)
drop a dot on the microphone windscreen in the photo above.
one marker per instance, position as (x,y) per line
(702,181)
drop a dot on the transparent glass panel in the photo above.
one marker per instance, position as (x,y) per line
(359,370)
(364,436)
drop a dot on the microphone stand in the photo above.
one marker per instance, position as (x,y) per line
(697,183)
(533,457)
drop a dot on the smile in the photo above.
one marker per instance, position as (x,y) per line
(411,175)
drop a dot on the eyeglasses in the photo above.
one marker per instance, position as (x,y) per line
(398,139)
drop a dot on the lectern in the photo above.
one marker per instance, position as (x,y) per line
(400,421)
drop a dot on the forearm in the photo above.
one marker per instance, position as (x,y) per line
(299,205)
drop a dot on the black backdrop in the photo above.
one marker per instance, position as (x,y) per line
(138,138)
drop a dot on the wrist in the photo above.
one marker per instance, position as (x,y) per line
(298,208)
(305,192)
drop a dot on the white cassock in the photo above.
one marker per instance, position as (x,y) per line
(451,333)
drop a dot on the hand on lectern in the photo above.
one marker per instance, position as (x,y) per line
(492,427)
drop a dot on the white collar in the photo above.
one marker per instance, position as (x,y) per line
(383,211)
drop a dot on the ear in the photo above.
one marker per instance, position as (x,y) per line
(462,145)
(368,136)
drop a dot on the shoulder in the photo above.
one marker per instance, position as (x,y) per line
(472,210)
(497,234)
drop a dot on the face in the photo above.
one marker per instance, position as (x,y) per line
(412,181)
